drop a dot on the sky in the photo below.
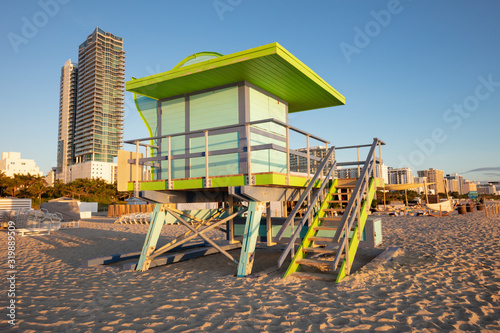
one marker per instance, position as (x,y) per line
(421,75)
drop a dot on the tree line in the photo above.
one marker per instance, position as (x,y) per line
(37,189)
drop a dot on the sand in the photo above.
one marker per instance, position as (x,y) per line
(446,279)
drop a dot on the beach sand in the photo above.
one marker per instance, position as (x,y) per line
(447,278)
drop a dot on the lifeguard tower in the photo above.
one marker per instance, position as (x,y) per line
(219,132)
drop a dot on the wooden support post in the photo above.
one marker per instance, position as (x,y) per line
(425,189)
(250,238)
(269,225)
(157,221)
(230,223)
(385,207)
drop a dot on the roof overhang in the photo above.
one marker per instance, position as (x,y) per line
(270,67)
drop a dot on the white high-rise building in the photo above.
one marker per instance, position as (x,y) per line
(12,163)
(400,176)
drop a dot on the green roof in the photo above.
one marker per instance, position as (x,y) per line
(270,67)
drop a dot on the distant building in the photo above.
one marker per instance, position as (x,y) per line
(67,114)
(94,170)
(91,109)
(354,172)
(400,176)
(486,189)
(420,180)
(452,185)
(51,177)
(434,176)
(460,182)
(12,163)
(469,187)
(299,163)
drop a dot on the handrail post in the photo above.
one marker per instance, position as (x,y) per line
(308,180)
(380,158)
(359,168)
(136,183)
(287,155)
(249,155)
(207,180)
(169,181)
(374,169)
(308,158)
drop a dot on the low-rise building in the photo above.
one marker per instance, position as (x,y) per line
(93,170)
(11,163)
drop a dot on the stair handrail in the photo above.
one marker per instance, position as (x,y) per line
(306,192)
(306,216)
(348,217)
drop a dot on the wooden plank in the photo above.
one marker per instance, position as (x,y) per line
(313,276)
(314,262)
(320,239)
(317,250)
(250,238)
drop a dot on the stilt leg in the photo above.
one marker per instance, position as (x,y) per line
(157,221)
(250,237)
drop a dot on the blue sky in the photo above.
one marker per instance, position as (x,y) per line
(422,75)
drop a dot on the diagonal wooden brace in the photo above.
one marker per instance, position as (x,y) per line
(200,234)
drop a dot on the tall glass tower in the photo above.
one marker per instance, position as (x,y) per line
(67,112)
(101,87)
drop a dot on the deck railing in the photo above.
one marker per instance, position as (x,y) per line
(158,152)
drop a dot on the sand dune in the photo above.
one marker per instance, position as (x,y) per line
(447,279)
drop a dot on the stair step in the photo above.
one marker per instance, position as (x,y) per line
(314,262)
(331,219)
(326,228)
(320,239)
(338,201)
(343,187)
(334,209)
(314,276)
(318,250)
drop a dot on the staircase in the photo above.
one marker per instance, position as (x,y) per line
(331,242)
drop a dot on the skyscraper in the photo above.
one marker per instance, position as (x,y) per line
(101,84)
(91,109)
(67,111)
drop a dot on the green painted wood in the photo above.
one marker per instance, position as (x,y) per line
(270,67)
(213,109)
(173,120)
(354,241)
(219,165)
(237,180)
(157,221)
(263,106)
(294,266)
(254,215)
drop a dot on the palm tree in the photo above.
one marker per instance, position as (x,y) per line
(37,188)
